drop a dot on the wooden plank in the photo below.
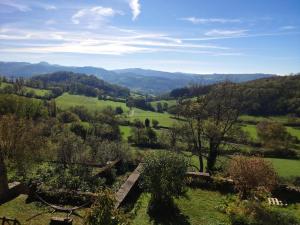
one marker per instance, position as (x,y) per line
(128,185)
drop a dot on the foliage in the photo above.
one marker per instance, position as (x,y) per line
(252,176)
(67,117)
(143,137)
(155,123)
(256,213)
(273,135)
(22,106)
(164,177)
(103,211)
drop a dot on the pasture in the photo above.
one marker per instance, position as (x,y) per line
(66,101)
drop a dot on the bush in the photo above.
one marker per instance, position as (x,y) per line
(103,211)
(68,117)
(252,176)
(164,177)
(255,213)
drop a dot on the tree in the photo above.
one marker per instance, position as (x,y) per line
(20,141)
(155,123)
(223,110)
(273,134)
(68,117)
(103,211)
(251,175)
(119,110)
(163,176)
(195,114)
(159,107)
(147,122)
(165,106)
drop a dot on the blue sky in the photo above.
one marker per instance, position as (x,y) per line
(199,36)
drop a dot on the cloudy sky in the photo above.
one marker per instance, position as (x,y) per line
(201,36)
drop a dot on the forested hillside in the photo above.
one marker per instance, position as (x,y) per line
(267,96)
(76,83)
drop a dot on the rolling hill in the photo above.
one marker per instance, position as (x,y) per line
(145,81)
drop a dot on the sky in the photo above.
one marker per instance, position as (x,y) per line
(196,36)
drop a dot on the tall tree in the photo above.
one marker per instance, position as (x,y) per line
(223,109)
(195,114)
(20,140)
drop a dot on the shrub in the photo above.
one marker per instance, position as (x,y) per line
(103,211)
(252,176)
(164,177)
(255,213)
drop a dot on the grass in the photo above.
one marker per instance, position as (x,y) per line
(32,213)
(169,102)
(66,101)
(125,130)
(198,208)
(294,131)
(280,119)
(251,129)
(286,167)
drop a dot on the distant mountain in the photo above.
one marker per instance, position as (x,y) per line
(146,81)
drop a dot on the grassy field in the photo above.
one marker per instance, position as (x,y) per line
(198,208)
(169,102)
(286,167)
(66,101)
(32,213)
(280,119)
(164,119)
(251,129)
(125,130)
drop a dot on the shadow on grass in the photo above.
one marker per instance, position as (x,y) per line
(166,214)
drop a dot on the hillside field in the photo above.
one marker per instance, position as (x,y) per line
(66,101)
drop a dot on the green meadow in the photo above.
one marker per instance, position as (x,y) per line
(66,101)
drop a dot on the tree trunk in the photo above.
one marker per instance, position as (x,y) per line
(3,178)
(212,157)
(201,166)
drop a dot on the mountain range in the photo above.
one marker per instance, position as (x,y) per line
(141,80)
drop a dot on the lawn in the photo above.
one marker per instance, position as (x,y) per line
(66,101)
(200,207)
(32,213)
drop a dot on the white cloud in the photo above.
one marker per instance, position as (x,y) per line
(15,5)
(109,41)
(50,22)
(225,33)
(196,20)
(289,27)
(93,15)
(135,8)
